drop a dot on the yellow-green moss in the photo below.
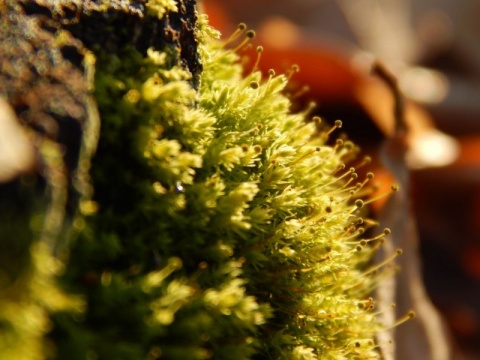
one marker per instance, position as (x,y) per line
(223,225)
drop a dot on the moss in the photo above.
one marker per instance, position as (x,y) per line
(222,225)
(287,212)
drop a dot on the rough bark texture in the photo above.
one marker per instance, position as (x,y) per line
(46,76)
(48,60)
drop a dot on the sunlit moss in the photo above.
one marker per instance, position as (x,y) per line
(25,308)
(288,212)
(222,226)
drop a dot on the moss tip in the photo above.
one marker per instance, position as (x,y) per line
(359,203)
(251,34)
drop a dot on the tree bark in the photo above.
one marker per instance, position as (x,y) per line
(47,69)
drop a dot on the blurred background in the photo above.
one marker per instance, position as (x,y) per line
(433,49)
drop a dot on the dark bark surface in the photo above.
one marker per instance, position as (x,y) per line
(47,79)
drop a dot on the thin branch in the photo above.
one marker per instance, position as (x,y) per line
(384,74)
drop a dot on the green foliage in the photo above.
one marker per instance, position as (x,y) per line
(26,304)
(222,226)
(288,214)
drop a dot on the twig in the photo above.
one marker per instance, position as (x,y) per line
(383,73)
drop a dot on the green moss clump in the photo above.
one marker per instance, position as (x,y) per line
(223,225)
(287,211)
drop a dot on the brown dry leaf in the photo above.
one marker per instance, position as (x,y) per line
(426,337)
